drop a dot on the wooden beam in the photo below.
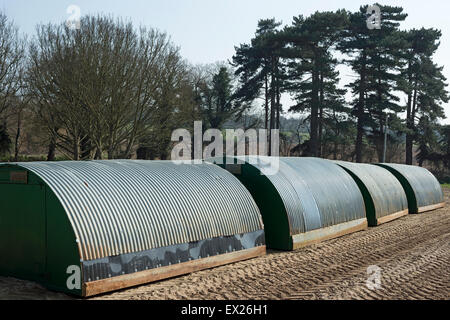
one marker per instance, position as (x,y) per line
(315,236)
(393,216)
(147,276)
(432,207)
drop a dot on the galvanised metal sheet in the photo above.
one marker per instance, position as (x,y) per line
(426,187)
(385,190)
(316,192)
(125,206)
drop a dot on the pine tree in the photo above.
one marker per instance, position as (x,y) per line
(260,69)
(218,104)
(311,41)
(374,60)
(422,81)
(333,111)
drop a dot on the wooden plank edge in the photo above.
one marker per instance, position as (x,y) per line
(391,217)
(432,207)
(320,235)
(134,279)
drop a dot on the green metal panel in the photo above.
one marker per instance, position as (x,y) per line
(62,249)
(368,201)
(37,242)
(412,203)
(22,230)
(273,211)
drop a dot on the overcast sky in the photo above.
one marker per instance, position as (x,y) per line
(207,30)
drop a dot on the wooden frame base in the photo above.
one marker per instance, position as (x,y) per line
(130,280)
(431,208)
(315,236)
(391,217)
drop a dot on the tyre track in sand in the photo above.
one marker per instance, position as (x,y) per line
(412,252)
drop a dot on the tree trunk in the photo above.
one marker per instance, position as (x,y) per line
(110,154)
(272,107)
(381,141)
(76,149)
(409,123)
(335,150)
(360,112)
(51,149)
(127,153)
(16,142)
(382,127)
(86,148)
(321,98)
(314,111)
(409,136)
(266,87)
(412,120)
(98,154)
(278,106)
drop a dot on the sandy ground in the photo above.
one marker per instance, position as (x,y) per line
(413,254)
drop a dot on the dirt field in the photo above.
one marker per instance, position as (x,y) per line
(413,254)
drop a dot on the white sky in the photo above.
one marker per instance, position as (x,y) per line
(208,30)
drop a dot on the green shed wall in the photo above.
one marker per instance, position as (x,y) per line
(410,195)
(37,241)
(276,224)
(368,201)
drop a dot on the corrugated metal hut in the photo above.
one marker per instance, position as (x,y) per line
(383,194)
(422,189)
(121,223)
(302,200)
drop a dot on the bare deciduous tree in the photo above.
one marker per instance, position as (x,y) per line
(100,88)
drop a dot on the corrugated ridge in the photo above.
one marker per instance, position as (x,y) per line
(125,206)
(426,187)
(385,190)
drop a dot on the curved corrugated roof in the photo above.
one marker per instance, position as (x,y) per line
(426,187)
(125,206)
(316,192)
(385,190)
